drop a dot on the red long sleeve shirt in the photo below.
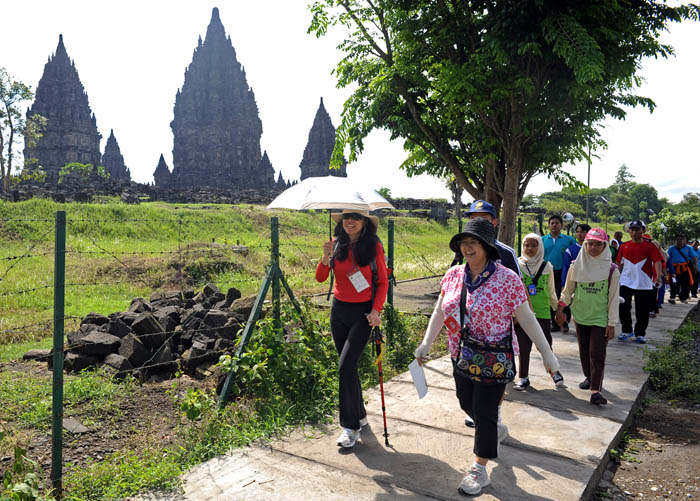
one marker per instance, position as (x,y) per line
(343,289)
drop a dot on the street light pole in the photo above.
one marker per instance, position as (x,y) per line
(588,195)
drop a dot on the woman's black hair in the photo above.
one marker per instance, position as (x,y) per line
(364,248)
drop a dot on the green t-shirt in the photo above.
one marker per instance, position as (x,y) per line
(540,301)
(590,303)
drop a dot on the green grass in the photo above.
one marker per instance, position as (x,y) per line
(674,370)
(26,398)
(116,252)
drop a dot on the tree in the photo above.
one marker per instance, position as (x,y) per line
(493,93)
(623,180)
(13,125)
(80,173)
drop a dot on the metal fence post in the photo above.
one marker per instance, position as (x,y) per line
(58,331)
(275,264)
(520,235)
(390,259)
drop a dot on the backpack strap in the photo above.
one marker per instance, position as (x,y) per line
(331,265)
(613,267)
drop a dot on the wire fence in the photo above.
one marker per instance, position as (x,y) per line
(110,262)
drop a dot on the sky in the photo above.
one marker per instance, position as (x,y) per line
(131,57)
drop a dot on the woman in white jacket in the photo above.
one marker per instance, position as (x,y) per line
(493,296)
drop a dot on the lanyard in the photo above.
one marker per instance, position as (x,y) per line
(463,301)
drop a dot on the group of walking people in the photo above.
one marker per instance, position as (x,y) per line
(493,306)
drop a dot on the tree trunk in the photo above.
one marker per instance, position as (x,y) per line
(511,200)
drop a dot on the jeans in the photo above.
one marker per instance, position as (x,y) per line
(592,349)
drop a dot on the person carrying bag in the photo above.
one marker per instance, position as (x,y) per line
(492,295)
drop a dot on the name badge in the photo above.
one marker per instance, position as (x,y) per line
(532,289)
(358,281)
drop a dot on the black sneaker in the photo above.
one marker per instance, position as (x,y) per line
(585,384)
(555,328)
(565,328)
(598,399)
(521,385)
(671,301)
(469,422)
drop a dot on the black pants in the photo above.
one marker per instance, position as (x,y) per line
(557,289)
(592,348)
(643,305)
(525,344)
(481,402)
(681,287)
(351,332)
(694,287)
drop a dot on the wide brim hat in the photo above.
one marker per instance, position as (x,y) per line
(483,231)
(338,216)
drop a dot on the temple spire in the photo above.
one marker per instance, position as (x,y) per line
(319,148)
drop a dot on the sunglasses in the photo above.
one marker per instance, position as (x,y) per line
(354,216)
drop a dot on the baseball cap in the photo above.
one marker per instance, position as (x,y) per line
(482,206)
(637,223)
(597,234)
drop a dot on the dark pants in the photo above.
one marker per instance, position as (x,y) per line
(660,295)
(592,348)
(351,332)
(682,286)
(557,289)
(643,305)
(694,287)
(481,402)
(525,344)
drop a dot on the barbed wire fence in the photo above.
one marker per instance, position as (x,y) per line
(108,262)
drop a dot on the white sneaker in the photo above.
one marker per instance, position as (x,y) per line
(348,438)
(475,480)
(363,422)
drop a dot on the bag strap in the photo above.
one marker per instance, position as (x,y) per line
(331,265)
(613,267)
(539,273)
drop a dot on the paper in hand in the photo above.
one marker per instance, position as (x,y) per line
(418,378)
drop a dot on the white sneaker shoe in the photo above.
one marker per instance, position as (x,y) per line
(475,480)
(348,438)
(363,422)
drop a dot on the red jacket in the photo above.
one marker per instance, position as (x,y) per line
(343,290)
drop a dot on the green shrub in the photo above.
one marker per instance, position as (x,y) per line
(675,369)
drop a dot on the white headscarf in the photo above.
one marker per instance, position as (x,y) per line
(532,263)
(592,269)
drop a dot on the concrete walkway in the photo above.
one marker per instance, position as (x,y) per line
(557,448)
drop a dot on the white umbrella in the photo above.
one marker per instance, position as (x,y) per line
(329,192)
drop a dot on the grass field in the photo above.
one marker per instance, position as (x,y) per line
(115,252)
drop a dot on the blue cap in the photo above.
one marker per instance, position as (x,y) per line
(482,206)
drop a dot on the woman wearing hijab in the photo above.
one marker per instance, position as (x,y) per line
(594,284)
(539,284)
(356,308)
(488,294)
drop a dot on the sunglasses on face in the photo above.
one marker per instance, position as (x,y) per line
(354,216)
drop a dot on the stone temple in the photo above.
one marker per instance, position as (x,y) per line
(216,127)
(113,161)
(319,147)
(71,129)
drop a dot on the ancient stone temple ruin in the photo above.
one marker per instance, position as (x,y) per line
(162,175)
(71,129)
(113,161)
(216,127)
(319,147)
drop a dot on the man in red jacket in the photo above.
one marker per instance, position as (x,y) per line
(639,260)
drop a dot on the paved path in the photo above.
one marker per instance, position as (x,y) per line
(557,448)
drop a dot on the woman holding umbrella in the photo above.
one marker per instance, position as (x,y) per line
(477,304)
(359,296)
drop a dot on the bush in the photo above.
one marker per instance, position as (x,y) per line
(675,369)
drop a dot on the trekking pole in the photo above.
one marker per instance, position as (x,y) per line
(377,334)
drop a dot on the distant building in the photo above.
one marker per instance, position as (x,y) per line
(162,175)
(216,127)
(317,154)
(113,161)
(71,129)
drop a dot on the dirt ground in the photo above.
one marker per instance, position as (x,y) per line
(661,459)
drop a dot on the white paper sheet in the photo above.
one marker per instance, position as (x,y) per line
(418,378)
